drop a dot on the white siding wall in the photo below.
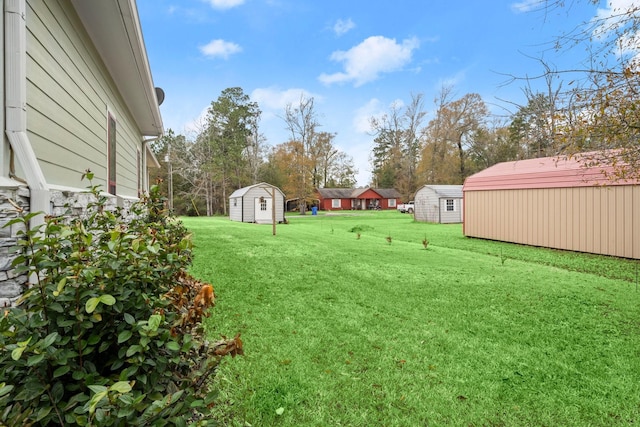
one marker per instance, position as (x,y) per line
(68,94)
(248,204)
(235,209)
(245,209)
(451,217)
(431,206)
(426,205)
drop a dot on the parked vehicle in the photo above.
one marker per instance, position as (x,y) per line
(406,207)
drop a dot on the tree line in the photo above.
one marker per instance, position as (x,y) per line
(596,112)
(229,152)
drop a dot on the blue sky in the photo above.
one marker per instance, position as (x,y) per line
(355,57)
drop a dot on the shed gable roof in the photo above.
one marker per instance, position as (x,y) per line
(446,191)
(244,190)
(544,172)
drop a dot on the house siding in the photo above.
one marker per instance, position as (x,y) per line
(68,94)
(602,220)
(66,75)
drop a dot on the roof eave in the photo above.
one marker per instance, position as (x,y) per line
(114,28)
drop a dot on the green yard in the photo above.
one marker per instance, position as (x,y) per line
(342,329)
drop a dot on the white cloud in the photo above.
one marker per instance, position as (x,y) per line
(452,80)
(342,27)
(272,101)
(194,127)
(220,48)
(527,6)
(613,20)
(362,117)
(365,62)
(272,98)
(610,18)
(225,4)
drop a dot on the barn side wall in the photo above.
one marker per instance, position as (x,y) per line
(601,220)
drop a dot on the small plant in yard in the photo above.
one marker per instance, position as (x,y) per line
(425,242)
(360,228)
(503,257)
(358,236)
(389,239)
(109,333)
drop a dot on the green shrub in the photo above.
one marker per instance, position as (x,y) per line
(109,333)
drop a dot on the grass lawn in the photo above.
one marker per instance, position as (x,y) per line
(342,329)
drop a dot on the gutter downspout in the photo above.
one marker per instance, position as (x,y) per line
(16,107)
(147,152)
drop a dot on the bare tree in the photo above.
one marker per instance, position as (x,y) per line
(301,121)
(602,114)
(396,150)
(436,142)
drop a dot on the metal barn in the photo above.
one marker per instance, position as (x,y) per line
(439,203)
(256,203)
(556,203)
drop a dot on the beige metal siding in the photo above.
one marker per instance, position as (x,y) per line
(68,93)
(585,219)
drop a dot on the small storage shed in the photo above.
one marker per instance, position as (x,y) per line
(554,202)
(439,203)
(255,204)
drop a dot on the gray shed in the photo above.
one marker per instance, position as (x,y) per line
(439,203)
(254,204)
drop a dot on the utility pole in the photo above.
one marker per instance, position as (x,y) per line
(273,209)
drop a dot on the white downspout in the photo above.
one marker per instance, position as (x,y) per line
(15,51)
(145,160)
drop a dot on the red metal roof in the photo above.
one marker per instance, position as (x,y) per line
(545,172)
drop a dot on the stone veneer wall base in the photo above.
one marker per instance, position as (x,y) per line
(68,202)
